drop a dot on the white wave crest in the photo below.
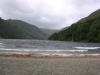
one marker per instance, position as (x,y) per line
(47,50)
(87,47)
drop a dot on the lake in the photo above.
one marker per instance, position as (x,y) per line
(48,48)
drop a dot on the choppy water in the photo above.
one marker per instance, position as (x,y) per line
(45,47)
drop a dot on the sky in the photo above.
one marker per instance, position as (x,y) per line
(50,14)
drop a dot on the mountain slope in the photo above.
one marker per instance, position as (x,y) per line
(85,30)
(49,31)
(16,29)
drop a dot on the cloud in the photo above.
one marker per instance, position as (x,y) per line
(54,14)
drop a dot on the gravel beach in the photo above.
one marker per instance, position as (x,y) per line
(32,66)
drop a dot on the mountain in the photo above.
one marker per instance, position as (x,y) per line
(16,29)
(49,31)
(91,16)
(85,30)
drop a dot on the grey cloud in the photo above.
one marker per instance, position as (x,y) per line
(54,14)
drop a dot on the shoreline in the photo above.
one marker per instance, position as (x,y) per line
(47,65)
(46,57)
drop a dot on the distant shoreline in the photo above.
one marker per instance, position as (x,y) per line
(45,57)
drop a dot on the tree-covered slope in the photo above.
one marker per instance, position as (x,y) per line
(85,30)
(16,29)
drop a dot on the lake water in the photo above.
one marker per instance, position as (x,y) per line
(48,48)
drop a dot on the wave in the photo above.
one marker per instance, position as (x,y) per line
(47,50)
(61,54)
(49,54)
(87,47)
(9,53)
(1,43)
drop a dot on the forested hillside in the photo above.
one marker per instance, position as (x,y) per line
(16,29)
(85,30)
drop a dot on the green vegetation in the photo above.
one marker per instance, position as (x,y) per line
(16,29)
(86,30)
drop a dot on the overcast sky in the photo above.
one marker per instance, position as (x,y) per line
(53,14)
